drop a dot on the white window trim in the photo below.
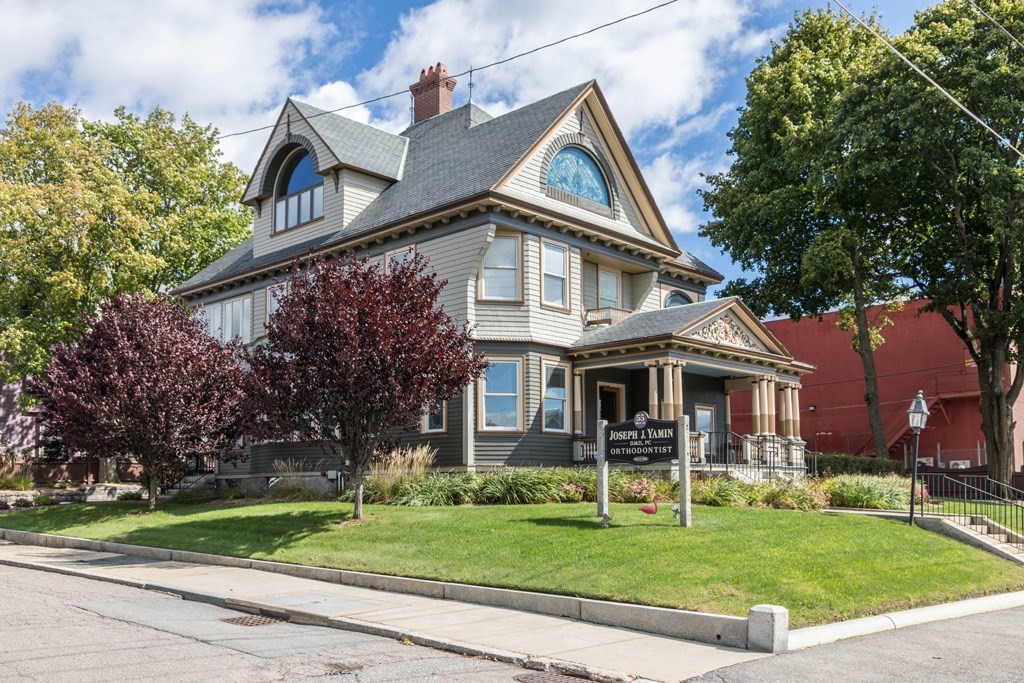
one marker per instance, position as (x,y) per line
(284,287)
(220,306)
(425,423)
(482,279)
(618,286)
(388,255)
(566,305)
(567,413)
(520,362)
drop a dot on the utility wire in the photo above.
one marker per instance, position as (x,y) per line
(1005,142)
(472,70)
(1001,27)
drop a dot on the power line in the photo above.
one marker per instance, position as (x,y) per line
(1003,28)
(472,70)
(1005,142)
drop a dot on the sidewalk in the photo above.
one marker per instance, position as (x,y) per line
(531,640)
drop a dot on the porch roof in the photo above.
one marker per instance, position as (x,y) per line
(720,332)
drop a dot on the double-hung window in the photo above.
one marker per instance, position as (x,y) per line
(274,294)
(608,289)
(397,257)
(435,418)
(556,275)
(556,401)
(502,398)
(231,319)
(500,278)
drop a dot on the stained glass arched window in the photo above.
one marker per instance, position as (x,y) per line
(575,172)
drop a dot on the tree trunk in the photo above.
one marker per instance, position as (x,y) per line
(357,511)
(996,416)
(153,486)
(867,359)
(107,471)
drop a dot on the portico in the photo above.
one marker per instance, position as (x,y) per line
(688,361)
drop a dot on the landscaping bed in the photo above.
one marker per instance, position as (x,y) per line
(824,568)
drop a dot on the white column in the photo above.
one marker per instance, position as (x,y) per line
(577,402)
(728,411)
(755,407)
(667,412)
(787,425)
(677,382)
(796,412)
(762,390)
(652,389)
(771,405)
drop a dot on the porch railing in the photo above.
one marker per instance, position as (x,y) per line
(754,457)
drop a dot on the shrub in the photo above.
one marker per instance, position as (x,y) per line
(719,492)
(789,494)
(16,482)
(4,505)
(391,474)
(513,486)
(862,491)
(44,500)
(832,464)
(130,495)
(292,490)
(433,490)
(23,503)
(198,496)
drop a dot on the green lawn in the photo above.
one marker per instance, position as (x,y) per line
(822,567)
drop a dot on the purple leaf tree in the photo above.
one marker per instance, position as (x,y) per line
(146,381)
(355,351)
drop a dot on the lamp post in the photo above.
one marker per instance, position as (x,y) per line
(917,416)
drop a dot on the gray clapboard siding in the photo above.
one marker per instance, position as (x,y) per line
(357,190)
(529,183)
(448,445)
(456,257)
(646,292)
(533,446)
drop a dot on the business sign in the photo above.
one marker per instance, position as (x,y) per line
(641,441)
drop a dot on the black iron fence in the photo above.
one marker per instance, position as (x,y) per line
(976,505)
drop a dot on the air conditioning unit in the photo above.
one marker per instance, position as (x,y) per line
(926,461)
(959,464)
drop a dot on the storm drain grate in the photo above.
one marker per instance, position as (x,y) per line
(546,677)
(253,620)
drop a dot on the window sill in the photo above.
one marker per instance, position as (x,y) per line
(296,227)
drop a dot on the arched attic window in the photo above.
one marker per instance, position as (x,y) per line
(299,195)
(676,299)
(574,171)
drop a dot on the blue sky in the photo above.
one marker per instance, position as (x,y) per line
(673,78)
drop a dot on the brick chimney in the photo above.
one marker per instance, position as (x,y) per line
(432,95)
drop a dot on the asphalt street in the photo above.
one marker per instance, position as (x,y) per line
(56,628)
(983,647)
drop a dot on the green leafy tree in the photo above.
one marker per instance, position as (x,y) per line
(193,214)
(787,209)
(952,193)
(88,210)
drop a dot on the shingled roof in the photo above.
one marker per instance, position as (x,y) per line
(650,325)
(436,162)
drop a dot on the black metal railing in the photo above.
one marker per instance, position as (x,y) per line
(194,472)
(756,457)
(993,515)
(998,488)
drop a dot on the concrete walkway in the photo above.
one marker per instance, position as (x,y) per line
(531,640)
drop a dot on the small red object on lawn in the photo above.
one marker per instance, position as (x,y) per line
(650,509)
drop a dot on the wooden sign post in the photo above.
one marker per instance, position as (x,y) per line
(643,441)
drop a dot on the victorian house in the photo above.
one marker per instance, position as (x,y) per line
(553,247)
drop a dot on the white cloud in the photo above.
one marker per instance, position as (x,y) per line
(674,182)
(655,69)
(231,62)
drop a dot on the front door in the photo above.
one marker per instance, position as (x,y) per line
(705,419)
(609,403)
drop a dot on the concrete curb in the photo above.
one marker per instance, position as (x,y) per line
(715,629)
(829,633)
